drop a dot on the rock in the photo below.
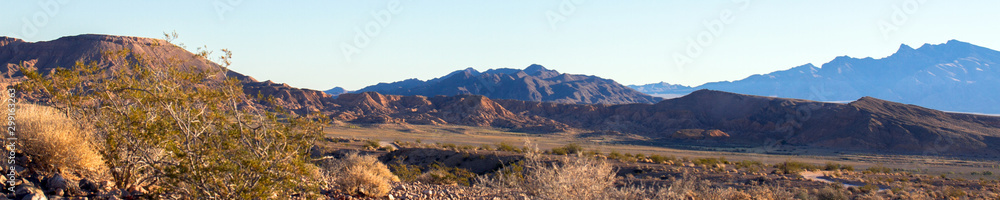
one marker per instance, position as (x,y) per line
(28,191)
(88,185)
(136,191)
(391,197)
(35,196)
(57,182)
(25,188)
(113,194)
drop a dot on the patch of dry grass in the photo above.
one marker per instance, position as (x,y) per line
(54,141)
(569,177)
(360,174)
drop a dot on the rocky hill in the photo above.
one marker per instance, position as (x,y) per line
(65,52)
(865,124)
(534,83)
(472,110)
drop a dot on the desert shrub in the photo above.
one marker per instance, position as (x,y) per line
(838,166)
(828,193)
(659,159)
(569,149)
(832,166)
(878,169)
(954,192)
(189,131)
(749,165)
(569,177)
(408,173)
(690,187)
(440,174)
(372,144)
(615,155)
(503,146)
(466,147)
(513,171)
(987,173)
(486,147)
(451,146)
(868,188)
(791,167)
(709,161)
(360,174)
(56,141)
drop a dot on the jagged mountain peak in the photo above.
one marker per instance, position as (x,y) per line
(534,68)
(904,47)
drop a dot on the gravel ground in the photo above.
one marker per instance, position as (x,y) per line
(417,190)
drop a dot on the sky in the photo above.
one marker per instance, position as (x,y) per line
(356,43)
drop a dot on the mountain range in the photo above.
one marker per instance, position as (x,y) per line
(559,105)
(534,83)
(704,117)
(954,76)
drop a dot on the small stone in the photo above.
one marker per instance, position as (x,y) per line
(391,197)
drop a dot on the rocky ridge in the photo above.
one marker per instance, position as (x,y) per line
(534,83)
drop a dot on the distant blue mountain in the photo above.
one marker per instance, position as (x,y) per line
(955,76)
(661,88)
(335,91)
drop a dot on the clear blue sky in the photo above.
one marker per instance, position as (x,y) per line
(632,42)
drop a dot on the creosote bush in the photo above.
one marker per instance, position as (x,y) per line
(503,146)
(407,173)
(440,174)
(569,149)
(183,131)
